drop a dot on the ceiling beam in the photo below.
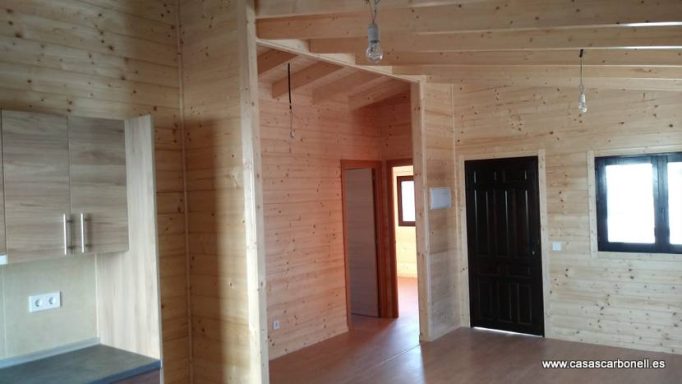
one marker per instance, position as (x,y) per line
(628,57)
(618,37)
(375,94)
(476,16)
(344,85)
(503,71)
(272,59)
(300,47)
(658,85)
(282,8)
(304,77)
(635,78)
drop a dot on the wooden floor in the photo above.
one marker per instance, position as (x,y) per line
(387,351)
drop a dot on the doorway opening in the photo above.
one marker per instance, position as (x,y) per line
(380,251)
(403,238)
(504,244)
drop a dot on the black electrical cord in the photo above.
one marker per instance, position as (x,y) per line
(291,105)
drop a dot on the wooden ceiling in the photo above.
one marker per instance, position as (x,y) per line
(629,44)
(326,81)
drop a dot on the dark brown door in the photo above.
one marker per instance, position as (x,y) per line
(503,232)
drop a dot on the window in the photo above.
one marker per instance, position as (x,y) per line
(639,203)
(406,210)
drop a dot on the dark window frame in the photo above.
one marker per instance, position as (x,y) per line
(399,182)
(660,193)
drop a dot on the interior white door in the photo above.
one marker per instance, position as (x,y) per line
(361,241)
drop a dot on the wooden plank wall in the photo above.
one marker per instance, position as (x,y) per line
(303,216)
(302,200)
(622,300)
(434,166)
(394,117)
(110,59)
(395,121)
(218,109)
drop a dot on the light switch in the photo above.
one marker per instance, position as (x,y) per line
(556,246)
(44,301)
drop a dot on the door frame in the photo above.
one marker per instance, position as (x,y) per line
(392,253)
(383,269)
(544,235)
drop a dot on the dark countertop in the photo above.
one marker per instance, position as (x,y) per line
(93,365)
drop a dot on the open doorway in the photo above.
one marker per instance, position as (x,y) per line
(403,238)
(380,249)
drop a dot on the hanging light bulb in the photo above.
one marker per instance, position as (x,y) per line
(582,99)
(374,52)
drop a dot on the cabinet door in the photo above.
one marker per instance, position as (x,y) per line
(36,169)
(98,185)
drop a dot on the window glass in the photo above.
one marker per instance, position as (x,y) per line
(407,200)
(675,202)
(630,203)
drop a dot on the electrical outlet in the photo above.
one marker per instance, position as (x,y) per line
(44,301)
(275,325)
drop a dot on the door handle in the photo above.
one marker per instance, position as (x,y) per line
(66,221)
(84,237)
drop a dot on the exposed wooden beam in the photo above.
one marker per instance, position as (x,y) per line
(282,8)
(636,78)
(272,59)
(300,47)
(594,83)
(385,90)
(629,57)
(476,16)
(533,39)
(530,71)
(343,85)
(303,77)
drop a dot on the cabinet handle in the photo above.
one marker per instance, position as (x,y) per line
(83,233)
(66,220)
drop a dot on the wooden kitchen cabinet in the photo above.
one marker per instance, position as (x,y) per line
(98,185)
(35,156)
(64,186)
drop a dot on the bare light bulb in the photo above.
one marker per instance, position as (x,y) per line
(582,101)
(374,52)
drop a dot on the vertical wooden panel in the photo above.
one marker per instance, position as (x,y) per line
(433,136)
(127,283)
(223,181)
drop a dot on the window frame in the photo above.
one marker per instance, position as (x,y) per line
(659,186)
(399,190)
